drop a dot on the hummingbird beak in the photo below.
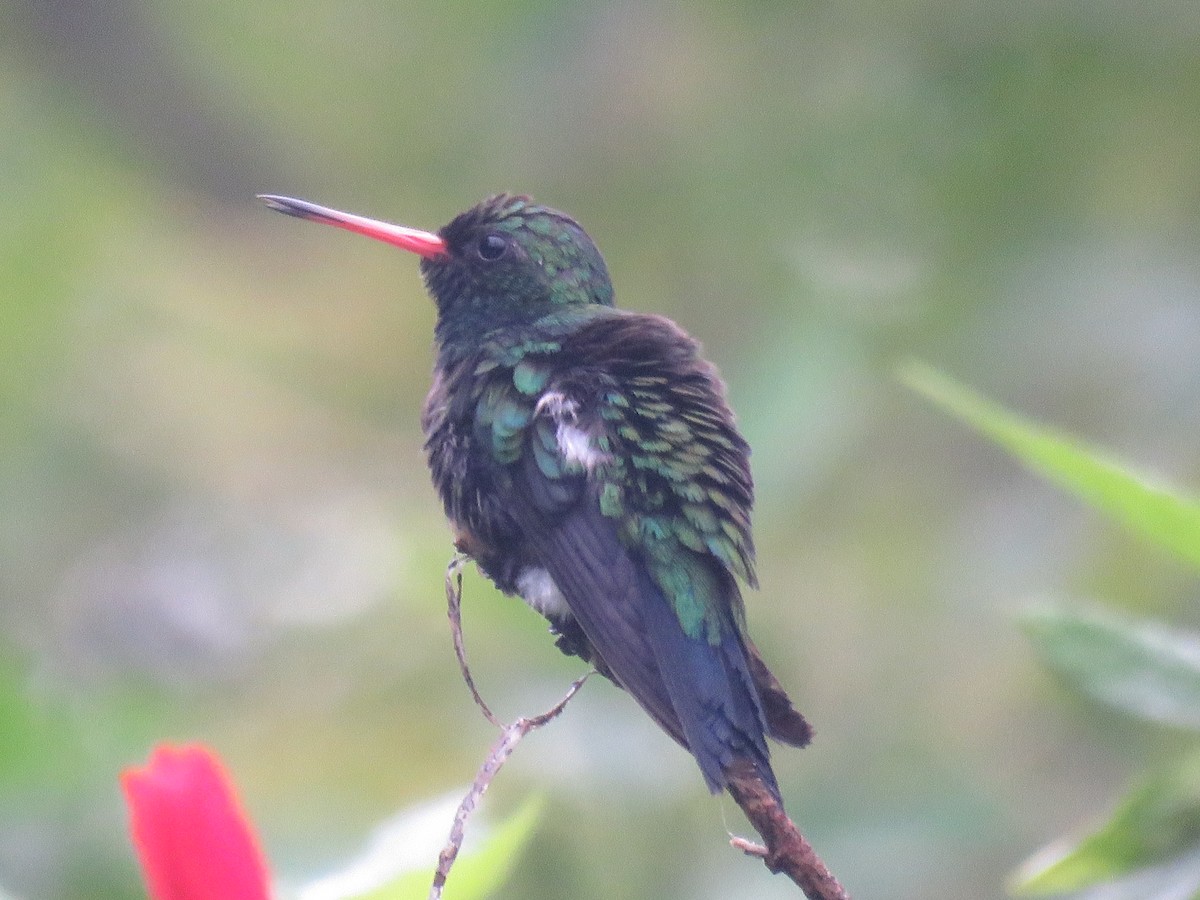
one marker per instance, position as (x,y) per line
(423,243)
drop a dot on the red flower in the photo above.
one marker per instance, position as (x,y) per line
(191,836)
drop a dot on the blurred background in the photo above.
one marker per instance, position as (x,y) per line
(215,520)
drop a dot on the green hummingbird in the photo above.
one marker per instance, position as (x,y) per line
(588,461)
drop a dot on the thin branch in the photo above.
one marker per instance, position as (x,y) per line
(454,610)
(510,735)
(786,851)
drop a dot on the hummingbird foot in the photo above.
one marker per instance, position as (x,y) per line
(571,640)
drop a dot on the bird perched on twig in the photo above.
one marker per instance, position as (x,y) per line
(588,461)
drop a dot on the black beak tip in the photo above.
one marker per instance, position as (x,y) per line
(286,205)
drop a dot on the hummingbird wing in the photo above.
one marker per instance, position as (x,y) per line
(634,493)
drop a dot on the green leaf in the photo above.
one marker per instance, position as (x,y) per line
(1178,879)
(1139,666)
(1165,517)
(383,872)
(474,876)
(1151,845)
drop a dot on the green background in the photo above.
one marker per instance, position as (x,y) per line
(215,522)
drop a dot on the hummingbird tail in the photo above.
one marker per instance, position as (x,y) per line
(713,692)
(784,723)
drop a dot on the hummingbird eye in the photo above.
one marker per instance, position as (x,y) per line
(492,247)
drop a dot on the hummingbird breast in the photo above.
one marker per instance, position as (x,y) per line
(470,480)
(466,482)
(473,470)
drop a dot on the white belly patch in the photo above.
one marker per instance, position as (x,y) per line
(538,589)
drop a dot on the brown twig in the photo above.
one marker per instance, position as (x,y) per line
(510,735)
(786,850)
(454,610)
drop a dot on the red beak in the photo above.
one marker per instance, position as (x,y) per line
(423,243)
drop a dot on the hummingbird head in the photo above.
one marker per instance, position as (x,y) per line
(504,262)
(516,260)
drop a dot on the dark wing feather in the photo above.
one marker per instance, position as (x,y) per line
(637,385)
(601,585)
(701,695)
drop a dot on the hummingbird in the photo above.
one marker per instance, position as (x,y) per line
(589,462)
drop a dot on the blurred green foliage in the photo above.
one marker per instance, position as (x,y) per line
(1162,515)
(385,870)
(1150,848)
(215,521)
(1142,668)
